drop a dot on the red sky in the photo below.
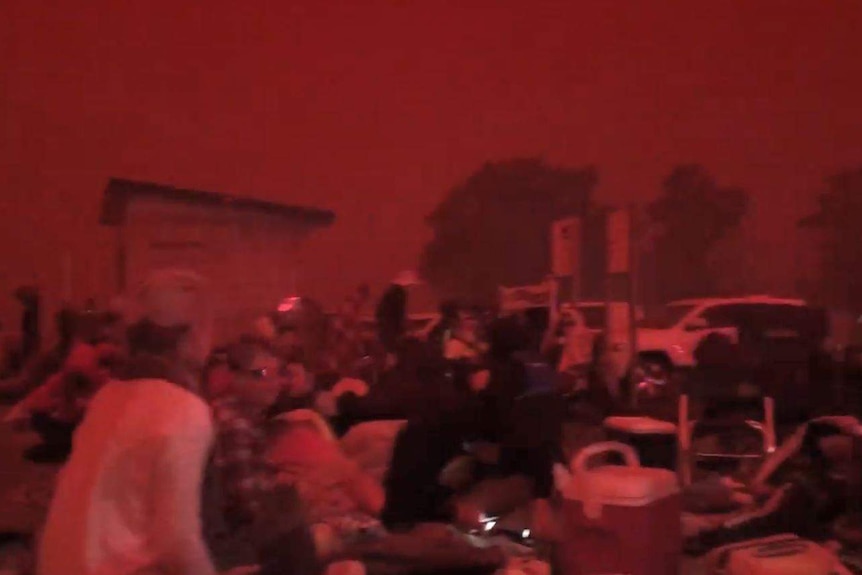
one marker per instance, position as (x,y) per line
(377,108)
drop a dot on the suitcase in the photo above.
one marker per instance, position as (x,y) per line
(778,555)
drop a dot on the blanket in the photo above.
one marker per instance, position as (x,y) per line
(370,445)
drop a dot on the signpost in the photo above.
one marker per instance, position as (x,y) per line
(566,254)
(621,329)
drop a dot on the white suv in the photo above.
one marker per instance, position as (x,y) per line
(668,339)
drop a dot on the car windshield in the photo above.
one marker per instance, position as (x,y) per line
(666,316)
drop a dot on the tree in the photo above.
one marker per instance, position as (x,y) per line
(837,221)
(692,215)
(493,229)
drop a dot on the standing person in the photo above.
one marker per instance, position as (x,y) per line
(463,343)
(31,335)
(341,501)
(577,351)
(43,365)
(442,330)
(128,500)
(391,316)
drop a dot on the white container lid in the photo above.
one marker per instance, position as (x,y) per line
(623,486)
(618,485)
(640,425)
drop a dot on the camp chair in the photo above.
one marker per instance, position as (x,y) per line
(720,412)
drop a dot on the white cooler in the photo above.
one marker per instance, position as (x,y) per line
(619,518)
(778,555)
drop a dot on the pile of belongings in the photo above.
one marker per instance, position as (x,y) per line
(803,488)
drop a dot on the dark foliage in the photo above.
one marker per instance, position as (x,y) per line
(692,215)
(493,229)
(838,220)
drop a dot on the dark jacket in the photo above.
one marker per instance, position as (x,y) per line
(391,316)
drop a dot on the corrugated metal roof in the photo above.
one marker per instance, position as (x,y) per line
(119,192)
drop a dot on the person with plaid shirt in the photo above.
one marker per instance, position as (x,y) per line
(255,510)
(240,440)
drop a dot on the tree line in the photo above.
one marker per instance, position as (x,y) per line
(493,229)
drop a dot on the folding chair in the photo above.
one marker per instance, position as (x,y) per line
(720,412)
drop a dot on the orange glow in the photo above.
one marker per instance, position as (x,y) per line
(288,304)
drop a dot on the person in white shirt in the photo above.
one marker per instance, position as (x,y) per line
(128,500)
(577,343)
(575,350)
(464,343)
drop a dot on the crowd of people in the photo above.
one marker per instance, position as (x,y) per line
(184,458)
(302,443)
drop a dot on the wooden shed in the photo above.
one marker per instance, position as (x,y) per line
(248,249)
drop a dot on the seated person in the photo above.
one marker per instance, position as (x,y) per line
(516,458)
(39,367)
(341,501)
(217,376)
(266,515)
(519,431)
(297,390)
(287,343)
(56,408)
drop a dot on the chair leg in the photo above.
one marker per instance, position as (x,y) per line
(683,426)
(684,455)
(684,466)
(771,443)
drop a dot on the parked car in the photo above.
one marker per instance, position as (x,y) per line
(668,337)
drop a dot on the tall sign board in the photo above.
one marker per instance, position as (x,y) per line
(566,254)
(620,321)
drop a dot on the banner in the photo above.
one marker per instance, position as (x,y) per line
(525,297)
(565,247)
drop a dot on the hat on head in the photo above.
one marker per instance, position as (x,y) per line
(175,298)
(407,278)
(170,298)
